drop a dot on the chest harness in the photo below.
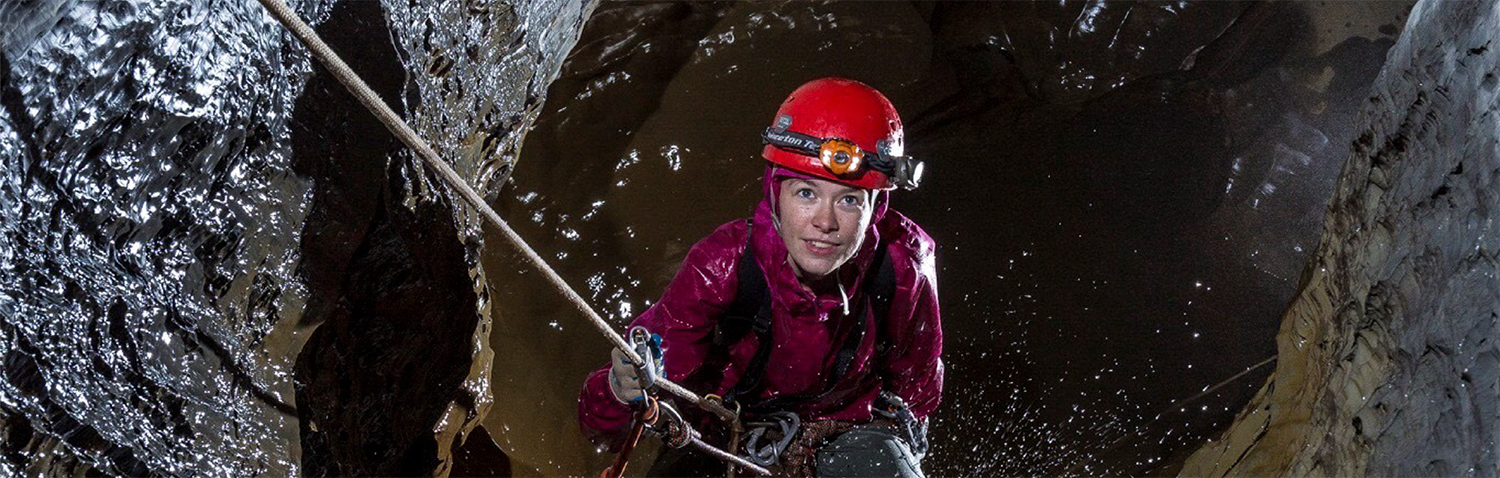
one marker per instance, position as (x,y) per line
(750,312)
(773,424)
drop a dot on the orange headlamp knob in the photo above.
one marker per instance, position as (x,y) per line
(840,156)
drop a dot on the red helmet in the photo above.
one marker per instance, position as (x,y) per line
(844,131)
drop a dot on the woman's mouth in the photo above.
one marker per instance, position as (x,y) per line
(820,248)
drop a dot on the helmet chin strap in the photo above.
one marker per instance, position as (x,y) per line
(776,203)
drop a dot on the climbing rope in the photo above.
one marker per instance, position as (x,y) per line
(642,417)
(372,102)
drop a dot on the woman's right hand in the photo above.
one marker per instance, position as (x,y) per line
(628,381)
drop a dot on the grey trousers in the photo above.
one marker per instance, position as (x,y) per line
(868,451)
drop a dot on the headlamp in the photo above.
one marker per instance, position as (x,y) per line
(843,157)
(840,156)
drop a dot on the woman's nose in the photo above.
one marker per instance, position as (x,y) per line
(824,219)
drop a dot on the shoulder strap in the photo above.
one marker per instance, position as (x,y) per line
(750,297)
(750,311)
(882,293)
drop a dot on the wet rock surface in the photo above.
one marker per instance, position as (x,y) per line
(147,293)
(179,219)
(392,301)
(1388,362)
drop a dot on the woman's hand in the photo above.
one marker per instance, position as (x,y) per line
(628,381)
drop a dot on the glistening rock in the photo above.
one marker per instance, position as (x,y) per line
(1388,356)
(179,218)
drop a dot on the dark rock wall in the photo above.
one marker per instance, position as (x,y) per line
(396,376)
(148,300)
(390,296)
(1389,358)
(177,219)
(379,374)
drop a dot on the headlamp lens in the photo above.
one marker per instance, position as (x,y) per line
(840,156)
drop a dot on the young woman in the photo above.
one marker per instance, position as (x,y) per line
(818,315)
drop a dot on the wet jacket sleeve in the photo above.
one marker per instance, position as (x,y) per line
(914,364)
(700,292)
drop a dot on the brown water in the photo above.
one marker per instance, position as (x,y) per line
(1120,219)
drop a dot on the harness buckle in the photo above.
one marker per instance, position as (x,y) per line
(891,406)
(786,424)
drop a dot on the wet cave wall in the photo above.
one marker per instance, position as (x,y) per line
(215,262)
(1389,356)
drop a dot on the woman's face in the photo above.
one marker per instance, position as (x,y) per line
(822,224)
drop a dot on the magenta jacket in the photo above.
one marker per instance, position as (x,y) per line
(807,329)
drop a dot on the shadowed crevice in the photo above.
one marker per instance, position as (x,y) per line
(388,282)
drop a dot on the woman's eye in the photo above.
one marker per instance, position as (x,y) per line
(805,193)
(850,200)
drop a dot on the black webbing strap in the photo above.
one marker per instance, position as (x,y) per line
(882,293)
(750,312)
(750,297)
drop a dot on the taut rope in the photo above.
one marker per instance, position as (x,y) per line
(372,102)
